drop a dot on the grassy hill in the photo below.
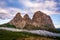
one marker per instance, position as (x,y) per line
(32,28)
(7,25)
(8,35)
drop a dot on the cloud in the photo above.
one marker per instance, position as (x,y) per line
(4,21)
(57,26)
(46,6)
(4,13)
(10,12)
(8,8)
(31,6)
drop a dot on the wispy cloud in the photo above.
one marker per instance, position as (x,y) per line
(10,12)
(8,8)
(46,6)
(4,13)
(31,6)
(57,26)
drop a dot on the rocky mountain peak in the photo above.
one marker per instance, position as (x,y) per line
(37,16)
(18,16)
(39,13)
(39,19)
(16,20)
(26,17)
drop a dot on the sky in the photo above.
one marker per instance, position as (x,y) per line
(9,8)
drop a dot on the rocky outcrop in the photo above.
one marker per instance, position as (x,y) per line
(39,20)
(17,21)
(27,19)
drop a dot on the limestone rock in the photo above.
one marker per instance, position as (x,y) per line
(17,21)
(40,19)
(27,19)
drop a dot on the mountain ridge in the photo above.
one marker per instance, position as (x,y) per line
(39,20)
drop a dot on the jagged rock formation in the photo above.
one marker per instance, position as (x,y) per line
(17,21)
(27,19)
(39,20)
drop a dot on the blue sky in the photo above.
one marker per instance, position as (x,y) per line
(8,9)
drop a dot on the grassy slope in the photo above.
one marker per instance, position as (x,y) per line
(39,28)
(8,25)
(8,35)
(32,27)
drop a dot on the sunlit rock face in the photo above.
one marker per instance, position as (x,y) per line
(27,19)
(39,20)
(17,21)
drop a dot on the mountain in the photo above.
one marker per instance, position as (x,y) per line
(10,35)
(27,19)
(42,20)
(39,21)
(17,21)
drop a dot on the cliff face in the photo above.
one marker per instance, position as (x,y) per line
(39,20)
(27,19)
(17,21)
